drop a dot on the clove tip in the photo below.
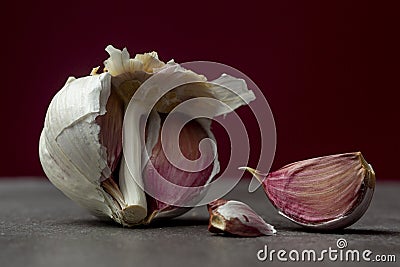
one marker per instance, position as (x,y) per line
(257,174)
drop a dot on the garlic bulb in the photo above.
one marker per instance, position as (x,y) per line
(108,164)
(324,193)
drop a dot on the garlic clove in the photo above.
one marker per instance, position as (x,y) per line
(159,167)
(325,193)
(236,218)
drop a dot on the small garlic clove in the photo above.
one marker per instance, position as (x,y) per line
(325,193)
(236,218)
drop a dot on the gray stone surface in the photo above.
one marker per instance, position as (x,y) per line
(39,226)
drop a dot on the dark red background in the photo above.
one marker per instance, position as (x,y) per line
(329,69)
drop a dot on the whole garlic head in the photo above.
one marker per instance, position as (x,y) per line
(81,145)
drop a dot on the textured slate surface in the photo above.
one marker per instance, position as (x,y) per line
(39,226)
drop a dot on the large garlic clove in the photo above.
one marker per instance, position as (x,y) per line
(236,218)
(330,192)
(159,167)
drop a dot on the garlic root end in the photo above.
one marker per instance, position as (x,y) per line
(134,214)
(217,222)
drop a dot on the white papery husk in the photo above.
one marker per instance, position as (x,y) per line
(70,150)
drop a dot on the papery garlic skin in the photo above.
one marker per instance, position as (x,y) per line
(80,147)
(69,148)
(324,193)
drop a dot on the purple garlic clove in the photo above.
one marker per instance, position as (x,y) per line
(159,167)
(327,193)
(236,218)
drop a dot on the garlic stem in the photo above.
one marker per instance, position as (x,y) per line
(134,196)
(130,176)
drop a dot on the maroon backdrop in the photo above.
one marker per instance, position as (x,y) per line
(327,68)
